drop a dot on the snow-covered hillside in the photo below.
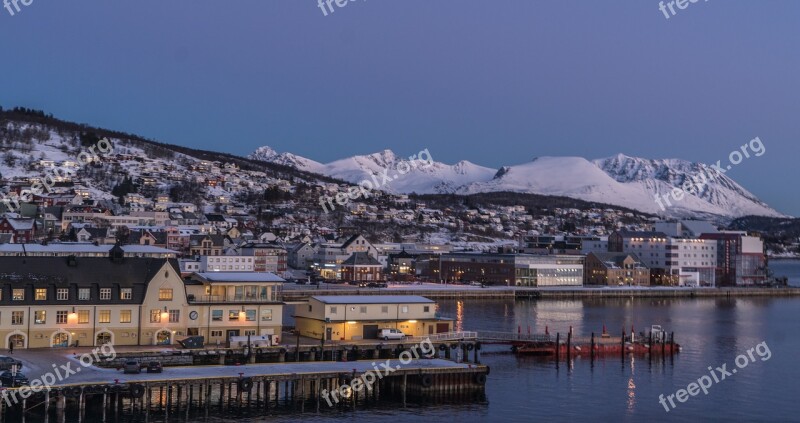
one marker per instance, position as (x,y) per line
(621,180)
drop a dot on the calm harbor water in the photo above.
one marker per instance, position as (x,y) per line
(712,332)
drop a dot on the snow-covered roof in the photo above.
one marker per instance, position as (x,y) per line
(371,299)
(239,277)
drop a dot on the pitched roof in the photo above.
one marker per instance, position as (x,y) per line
(361,259)
(616,258)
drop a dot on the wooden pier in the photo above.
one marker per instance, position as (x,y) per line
(250,391)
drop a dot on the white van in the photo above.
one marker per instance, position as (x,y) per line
(388,334)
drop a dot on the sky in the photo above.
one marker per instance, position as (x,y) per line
(493,82)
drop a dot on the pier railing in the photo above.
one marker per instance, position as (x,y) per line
(446,336)
(511,336)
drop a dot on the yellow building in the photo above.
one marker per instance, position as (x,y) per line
(87,301)
(357,317)
(234,304)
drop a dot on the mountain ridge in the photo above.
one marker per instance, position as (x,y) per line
(621,180)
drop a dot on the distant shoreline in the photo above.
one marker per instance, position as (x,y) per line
(459,292)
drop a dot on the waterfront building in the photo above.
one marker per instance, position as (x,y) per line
(613,269)
(357,317)
(58,301)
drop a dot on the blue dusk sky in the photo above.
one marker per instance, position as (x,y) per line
(492,82)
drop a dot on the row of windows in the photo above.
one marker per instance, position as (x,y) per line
(218,333)
(249,315)
(384,309)
(62,294)
(62,317)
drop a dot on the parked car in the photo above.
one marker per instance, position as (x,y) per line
(13,380)
(132,366)
(154,367)
(388,334)
(377,285)
(7,362)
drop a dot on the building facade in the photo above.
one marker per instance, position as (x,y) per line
(345,318)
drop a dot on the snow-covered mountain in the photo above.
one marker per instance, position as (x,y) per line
(620,180)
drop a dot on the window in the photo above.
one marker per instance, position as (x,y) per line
(426,309)
(216,315)
(105,293)
(384,309)
(333,310)
(233,314)
(18,294)
(362,309)
(250,315)
(249,333)
(216,332)
(155,316)
(104,316)
(165,294)
(125,293)
(17,317)
(40,294)
(404,309)
(84,294)
(266,315)
(39,317)
(174,316)
(124,316)
(83,316)
(61,317)
(62,294)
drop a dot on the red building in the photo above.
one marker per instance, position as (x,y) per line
(22,229)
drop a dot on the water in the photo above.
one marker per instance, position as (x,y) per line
(711,331)
(789,268)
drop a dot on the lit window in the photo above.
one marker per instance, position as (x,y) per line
(104,316)
(165,294)
(40,294)
(124,316)
(40,317)
(250,315)
(17,317)
(266,315)
(155,316)
(83,316)
(126,293)
(18,294)
(233,314)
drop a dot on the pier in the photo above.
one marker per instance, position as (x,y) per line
(247,390)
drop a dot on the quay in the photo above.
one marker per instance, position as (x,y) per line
(248,390)
(286,386)
(440,292)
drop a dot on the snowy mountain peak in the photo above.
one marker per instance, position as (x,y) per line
(620,179)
